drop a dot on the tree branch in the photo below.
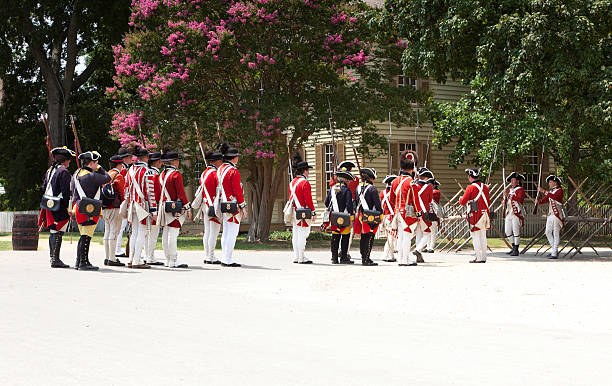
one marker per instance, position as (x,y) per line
(71,50)
(82,78)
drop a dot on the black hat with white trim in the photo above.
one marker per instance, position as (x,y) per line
(552,177)
(474,173)
(516,175)
(389,179)
(345,174)
(424,172)
(89,156)
(369,172)
(346,166)
(63,151)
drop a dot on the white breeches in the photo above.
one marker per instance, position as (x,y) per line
(553,233)
(299,237)
(422,237)
(513,229)
(390,246)
(433,236)
(124,223)
(404,241)
(151,243)
(169,243)
(112,226)
(479,239)
(137,241)
(209,240)
(228,240)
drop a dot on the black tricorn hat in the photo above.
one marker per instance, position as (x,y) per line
(123,152)
(346,165)
(63,151)
(141,152)
(434,182)
(303,165)
(345,174)
(213,156)
(155,156)
(116,159)
(369,172)
(424,172)
(557,179)
(389,179)
(515,175)
(474,173)
(170,156)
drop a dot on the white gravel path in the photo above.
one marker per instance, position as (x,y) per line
(511,321)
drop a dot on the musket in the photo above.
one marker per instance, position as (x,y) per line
(200,142)
(492,162)
(144,146)
(504,182)
(49,142)
(77,144)
(331,132)
(389,168)
(219,133)
(537,202)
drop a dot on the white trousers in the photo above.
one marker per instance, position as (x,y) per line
(211,232)
(137,241)
(169,244)
(298,238)
(433,236)
(422,237)
(513,229)
(404,242)
(151,243)
(479,239)
(553,233)
(228,240)
(390,246)
(112,226)
(118,249)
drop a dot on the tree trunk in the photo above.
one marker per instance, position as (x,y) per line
(55,110)
(264,185)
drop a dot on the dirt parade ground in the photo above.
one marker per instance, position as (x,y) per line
(512,321)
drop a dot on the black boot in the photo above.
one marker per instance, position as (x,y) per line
(515,250)
(79,253)
(335,245)
(84,264)
(344,245)
(511,249)
(369,243)
(55,244)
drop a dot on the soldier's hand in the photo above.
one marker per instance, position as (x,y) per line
(189,215)
(154,217)
(314,218)
(243,211)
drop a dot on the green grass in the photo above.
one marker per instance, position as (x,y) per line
(6,246)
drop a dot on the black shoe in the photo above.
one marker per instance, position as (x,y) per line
(83,255)
(121,255)
(515,250)
(335,261)
(216,262)
(419,256)
(113,263)
(179,266)
(390,260)
(348,262)
(295,262)
(407,265)
(369,263)
(306,262)
(412,265)
(553,257)
(231,265)
(155,263)
(429,251)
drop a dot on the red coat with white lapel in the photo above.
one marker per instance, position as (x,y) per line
(554,198)
(471,192)
(210,180)
(388,205)
(153,190)
(514,203)
(303,193)
(421,197)
(400,193)
(138,170)
(230,176)
(175,189)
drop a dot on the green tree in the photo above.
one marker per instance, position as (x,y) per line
(539,72)
(266,72)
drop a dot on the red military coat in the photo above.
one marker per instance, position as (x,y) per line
(118,184)
(421,196)
(388,205)
(554,198)
(514,203)
(352,185)
(303,194)
(231,185)
(210,181)
(175,190)
(436,195)
(471,192)
(401,193)
(153,190)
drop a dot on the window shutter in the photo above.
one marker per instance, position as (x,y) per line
(424,155)
(424,84)
(340,148)
(319,171)
(395,157)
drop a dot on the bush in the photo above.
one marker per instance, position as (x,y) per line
(286,236)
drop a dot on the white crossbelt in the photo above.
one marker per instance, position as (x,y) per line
(292,188)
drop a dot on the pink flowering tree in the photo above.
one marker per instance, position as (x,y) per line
(259,75)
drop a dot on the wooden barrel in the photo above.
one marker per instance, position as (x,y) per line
(25,232)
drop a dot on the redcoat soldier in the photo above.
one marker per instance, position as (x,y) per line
(556,214)
(367,202)
(346,166)
(86,184)
(405,219)
(388,207)
(340,199)
(435,203)
(230,184)
(141,207)
(209,181)
(110,213)
(476,199)
(127,160)
(421,198)
(153,188)
(301,196)
(57,184)
(172,190)
(515,213)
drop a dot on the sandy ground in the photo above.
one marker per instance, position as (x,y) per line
(511,321)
